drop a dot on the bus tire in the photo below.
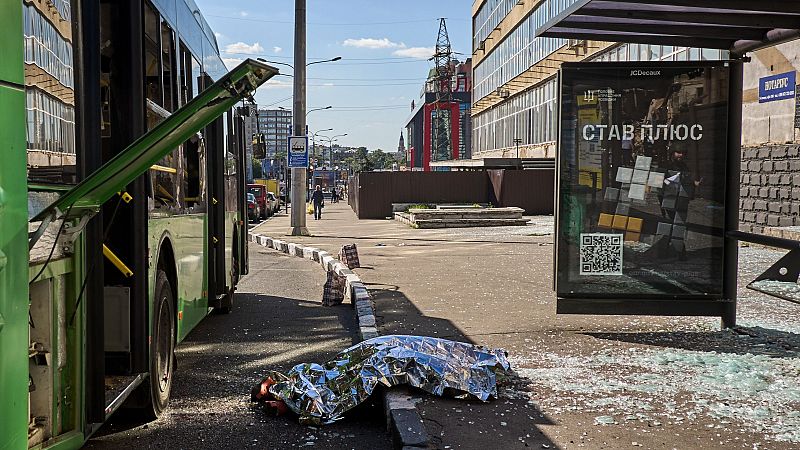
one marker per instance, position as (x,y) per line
(162,352)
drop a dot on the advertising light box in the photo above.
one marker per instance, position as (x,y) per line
(641,180)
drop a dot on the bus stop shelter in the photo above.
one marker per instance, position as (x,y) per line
(738,26)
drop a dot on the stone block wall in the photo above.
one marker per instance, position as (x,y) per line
(769,187)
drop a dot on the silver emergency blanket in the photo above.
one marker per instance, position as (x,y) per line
(323,393)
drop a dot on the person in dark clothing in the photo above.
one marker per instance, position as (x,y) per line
(319,201)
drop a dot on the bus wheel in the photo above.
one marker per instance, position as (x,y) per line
(162,352)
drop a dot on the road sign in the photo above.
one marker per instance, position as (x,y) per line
(777,87)
(298,151)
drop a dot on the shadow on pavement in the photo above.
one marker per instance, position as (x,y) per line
(224,357)
(506,422)
(755,341)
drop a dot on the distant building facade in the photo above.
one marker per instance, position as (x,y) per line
(419,127)
(274,124)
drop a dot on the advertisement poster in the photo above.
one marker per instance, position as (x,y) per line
(641,180)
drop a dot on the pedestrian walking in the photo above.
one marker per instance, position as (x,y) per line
(319,202)
(334,196)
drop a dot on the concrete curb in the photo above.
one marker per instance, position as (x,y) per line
(402,418)
(355,290)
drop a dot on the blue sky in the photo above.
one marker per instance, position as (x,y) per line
(384,48)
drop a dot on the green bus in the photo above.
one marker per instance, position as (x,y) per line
(120,129)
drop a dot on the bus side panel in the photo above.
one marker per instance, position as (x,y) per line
(187,237)
(13,232)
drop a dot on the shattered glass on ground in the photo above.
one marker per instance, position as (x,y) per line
(744,379)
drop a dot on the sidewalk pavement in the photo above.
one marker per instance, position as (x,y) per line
(277,322)
(581,381)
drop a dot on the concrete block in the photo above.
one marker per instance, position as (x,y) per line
(754,166)
(774,207)
(779,151)
(763,152)
(785,221)
(297,250)
(763,192)
(754,191)
(793,151)
(784,193)
(367,320)
(749,217)
(367,334)
(786,179)
(253,237)
(774,180)
(321,254)
(773,193)
(773,220)
(339,268)
(750,152)
(327,262)
(781,166)
(407,429)
(766,166)
(364,308)
(761,218)
(743,192)
(748,203)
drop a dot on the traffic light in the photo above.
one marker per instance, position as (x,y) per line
(259,146)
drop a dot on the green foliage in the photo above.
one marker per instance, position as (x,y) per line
(258,171)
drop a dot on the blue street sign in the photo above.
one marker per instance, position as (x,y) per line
(298,151)
(777,87)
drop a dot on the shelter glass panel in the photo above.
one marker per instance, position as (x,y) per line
(642,180)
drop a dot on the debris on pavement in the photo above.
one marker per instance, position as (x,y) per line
(333,291)
(321,394)
(349,256)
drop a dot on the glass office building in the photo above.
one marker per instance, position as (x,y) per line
(515,88)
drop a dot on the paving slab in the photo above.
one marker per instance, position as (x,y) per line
(493,287)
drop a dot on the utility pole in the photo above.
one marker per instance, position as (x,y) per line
(299,175)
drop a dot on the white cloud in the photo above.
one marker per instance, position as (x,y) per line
(244,13)
(241,47)
(415,52)
(277,84)
(372,43)
(230,63)
(277,49)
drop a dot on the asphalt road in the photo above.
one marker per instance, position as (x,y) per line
(277,322)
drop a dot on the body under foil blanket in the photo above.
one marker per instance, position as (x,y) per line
(323,393)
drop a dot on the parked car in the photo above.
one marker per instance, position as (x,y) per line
(259,191)
(274,201)
(253,210)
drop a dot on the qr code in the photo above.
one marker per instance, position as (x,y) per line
(601,254)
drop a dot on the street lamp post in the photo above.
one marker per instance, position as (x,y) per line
(330,145)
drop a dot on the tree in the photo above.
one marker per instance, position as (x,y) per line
(379,160)
(258,172)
